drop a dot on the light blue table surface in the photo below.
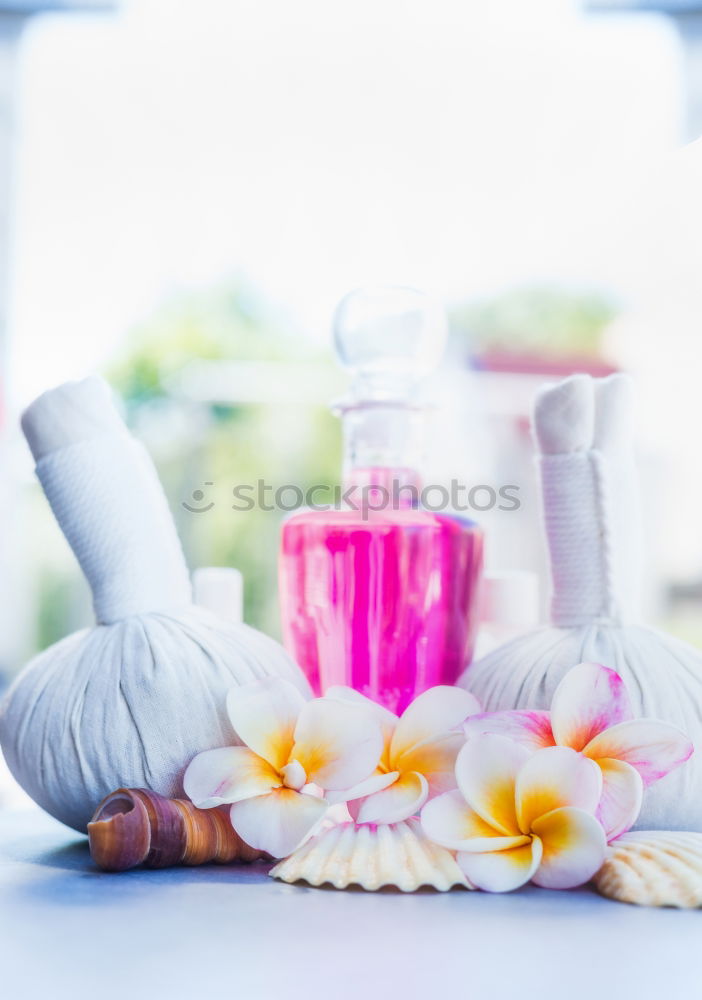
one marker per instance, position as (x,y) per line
(69,930)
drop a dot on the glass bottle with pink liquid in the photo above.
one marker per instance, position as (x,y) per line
(381,594)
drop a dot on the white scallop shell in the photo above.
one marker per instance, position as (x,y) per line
(396,855)
(654,868)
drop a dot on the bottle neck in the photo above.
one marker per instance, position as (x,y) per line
(384,446)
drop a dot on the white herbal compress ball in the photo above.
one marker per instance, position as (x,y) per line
(131,701)
(592,518)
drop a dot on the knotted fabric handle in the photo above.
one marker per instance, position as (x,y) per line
(107,498)
(591,501)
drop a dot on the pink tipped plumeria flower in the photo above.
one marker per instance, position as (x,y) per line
(519,815)
(418,757)
(591,713)
(291,746)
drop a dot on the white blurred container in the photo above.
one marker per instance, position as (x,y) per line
(509,606)
(220,589)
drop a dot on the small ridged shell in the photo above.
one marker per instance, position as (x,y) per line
(654,868)
(135,826)
(397,855)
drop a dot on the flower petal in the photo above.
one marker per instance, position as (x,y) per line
(449,820)
(395,803)
(339,692)
(486,772)
(376,782)
(622,793)
(278,822)
(434,713)
(228,774)
(556,777)
(654,748)
(264,714)
(338,744)
(502,871)
(435,759)
(384,716)
(531,729)
(590,698)
(574,848)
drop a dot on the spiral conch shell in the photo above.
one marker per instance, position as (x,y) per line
(397,855)
(654,868)
(135,826)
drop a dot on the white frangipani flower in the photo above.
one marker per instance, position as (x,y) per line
(418,757)
(290,746)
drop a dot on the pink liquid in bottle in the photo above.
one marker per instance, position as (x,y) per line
(381,595)
(383,601)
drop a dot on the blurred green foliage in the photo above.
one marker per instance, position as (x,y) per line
(543,321)
(226,323)
(224,443)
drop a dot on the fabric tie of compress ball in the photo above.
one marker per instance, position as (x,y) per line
(107,498)
(589,568)
(591,500)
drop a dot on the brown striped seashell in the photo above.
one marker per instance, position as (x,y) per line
(653,868)
(134,826)
(397,855)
